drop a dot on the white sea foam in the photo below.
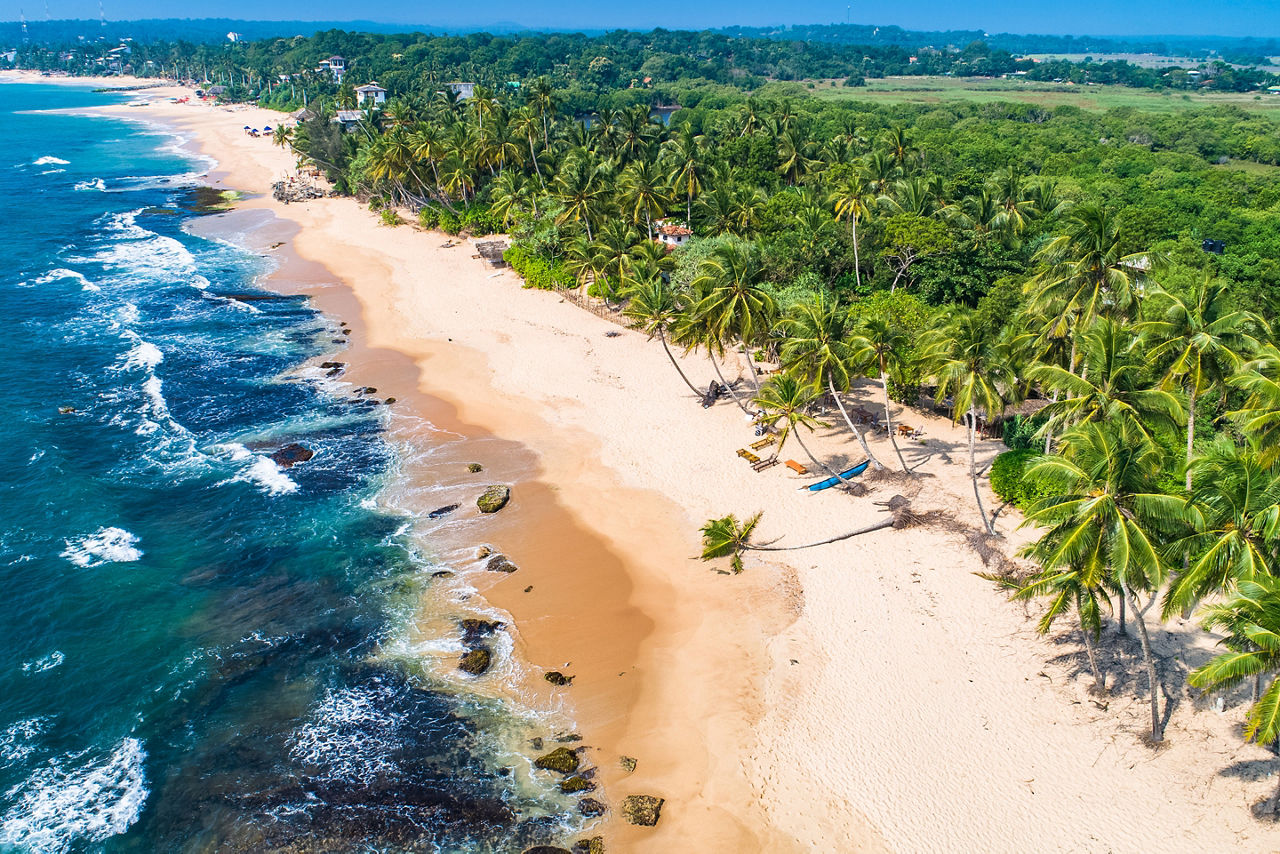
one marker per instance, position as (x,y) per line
(17,740)
(260,471)
(58,273)
(143,354)
(48,159)
(350,734)
(52,171)
(76,799)
(107,545)
(97,184)
(44,662)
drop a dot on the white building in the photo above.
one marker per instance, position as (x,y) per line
(335,65)
(370,94)
(672,234)
(462,90)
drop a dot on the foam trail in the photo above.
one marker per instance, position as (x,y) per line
(97,184)
(107,545)
(49,159)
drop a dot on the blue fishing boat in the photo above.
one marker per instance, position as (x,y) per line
(832,481)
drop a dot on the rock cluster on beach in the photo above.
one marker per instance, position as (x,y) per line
(500,563)
(562,760)
(475,661)
(642,810)
(494,498)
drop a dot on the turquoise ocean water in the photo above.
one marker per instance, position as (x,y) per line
(189,635)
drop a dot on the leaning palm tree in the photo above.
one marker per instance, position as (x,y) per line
(1203,343)
(883,345)
(971,366)
(786,399)
(1107,519)
(734,306)
(1250,621)
(653,307)
(729,537)
(817,346)
(1079,585)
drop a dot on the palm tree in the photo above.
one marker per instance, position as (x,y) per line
(817,346)
(525,126)
(899,145)
(653,307)
(1250,619)
(1015,201)
(686,158)
(1260,415)
(852,198)
(1073,585)
(1108,520)
(727,537)
(1112,384)
(1203,343)
(1234,511)
(785,398)
(644,192)
(734,306)
(883,344)
(542,97)
(579,187)
(972,367)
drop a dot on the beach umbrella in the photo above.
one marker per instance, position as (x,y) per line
(246,127)
(266,129)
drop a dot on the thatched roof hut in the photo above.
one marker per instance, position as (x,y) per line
(491,251)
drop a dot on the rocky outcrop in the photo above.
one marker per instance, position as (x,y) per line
(642,810)
(591,808)
(476,661)
(474,468)
(483,552)
(292,454)
(561,760)
(494,499)
(499,563)
(473,630)
(594,845)
(442,511)
(575,784)
(547,849)
(555,677)
(627,763)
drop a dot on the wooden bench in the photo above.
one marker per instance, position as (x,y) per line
(796,467)
(748,456)
(764,443)
(765,464)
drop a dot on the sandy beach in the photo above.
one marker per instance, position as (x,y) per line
(870,695)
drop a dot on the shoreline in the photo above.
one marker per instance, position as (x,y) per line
(872,696)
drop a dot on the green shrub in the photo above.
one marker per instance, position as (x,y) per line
(390,217)
(480,221)
(538,272)
(1020,432)
(450,222)
(428,217)
(1012,481)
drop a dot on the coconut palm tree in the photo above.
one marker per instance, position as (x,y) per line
(971,366)
(1234,513)
(685,156)
(1107,519)
(542,97)
(727,537)
(1203,343)
(734,306)
(1112,385)
(644,192)
(1080,586)
(883,345)
(853,200)
(817,346)
(787,399)
(1260,416)
(580,188)
(653,307)
(1250,621)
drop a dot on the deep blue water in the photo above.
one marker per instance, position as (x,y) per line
(187,632)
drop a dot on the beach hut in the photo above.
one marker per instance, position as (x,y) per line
(491,251)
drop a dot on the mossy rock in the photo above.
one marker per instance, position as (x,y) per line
(594,845)
(500,563)
(591,808)
(575,784)
(547,849)
(473,630)
(494,499)
(476,661)
(443,573)
(483,552)
(561,760)
(627,763)
(642,810)
(474,467)
(555,677)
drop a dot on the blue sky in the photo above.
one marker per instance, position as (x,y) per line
(1094,17)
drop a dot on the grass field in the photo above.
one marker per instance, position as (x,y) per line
(944,90)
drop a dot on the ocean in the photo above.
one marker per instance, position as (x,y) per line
(200,646)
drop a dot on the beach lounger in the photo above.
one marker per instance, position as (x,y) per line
(765,464)
(748,456)
(796,467)
(763,443)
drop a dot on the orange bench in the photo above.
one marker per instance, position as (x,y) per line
(796,467)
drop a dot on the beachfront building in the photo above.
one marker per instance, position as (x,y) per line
(370,94)
(462,90)
(672,234)
(349,119)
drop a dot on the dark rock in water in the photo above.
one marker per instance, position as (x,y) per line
(333,372)
(536,742)
(338,340)
(529,589)
(573,785)
(591,808)
(627,763)
(442,511)
(494,499)
(474,467)
(483,552)
(389,401)
(561,760)
(473,630)
(499,563)
(555,677)
(333,365)
(291,454)
(568,737)
(443,573)
(642,810)
(594,845)
(66,410)
(476,661)
(547,849)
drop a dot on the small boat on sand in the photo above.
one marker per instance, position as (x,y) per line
(832,481)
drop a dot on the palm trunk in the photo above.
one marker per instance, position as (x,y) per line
(878,526)
(533,155)
(1098,682)
(688,209)
(888,420)
(853,227)
(847,420)
(1191,429)
(1152,678)
(1048,434)
(1121,629)
(732,393)
(663,338)
(973,470)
